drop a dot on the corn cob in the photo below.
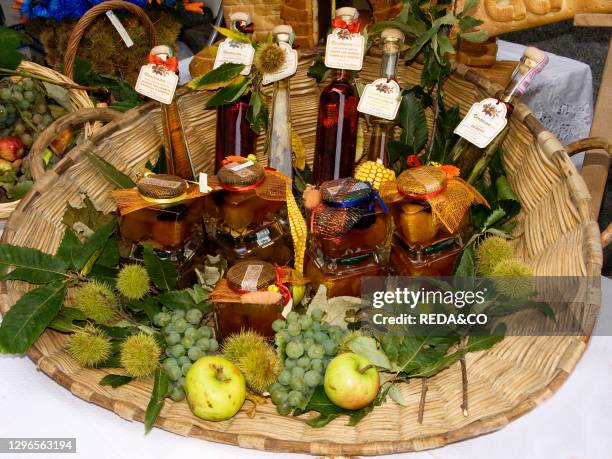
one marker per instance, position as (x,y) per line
(297,224)
(375,173)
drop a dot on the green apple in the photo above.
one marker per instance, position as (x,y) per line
(351,381)
(215,388)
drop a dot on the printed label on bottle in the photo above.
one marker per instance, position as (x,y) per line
(251,276)
(157,83)
(288,68)
(380,98)
(231,51)
(344,50)
(263,237)
(484,121)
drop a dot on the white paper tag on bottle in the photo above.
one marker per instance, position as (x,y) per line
(380,98)
(483,122)
(230,51)
(157,83)
(344,50)
(203,182)
(288,69)
(125,36)
(250,278)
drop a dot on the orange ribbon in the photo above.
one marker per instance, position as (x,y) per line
(171,63)
(352,27)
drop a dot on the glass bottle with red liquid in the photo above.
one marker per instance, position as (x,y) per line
(234,134)
(338,118)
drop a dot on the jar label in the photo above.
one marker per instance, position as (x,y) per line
(232,52)
(344,50)
(251,276)
(203,182)
(380,98)
(157,83)
(263,237)
(288,68)
(483,122)
(235,167)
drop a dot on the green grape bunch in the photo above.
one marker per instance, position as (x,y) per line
(186,342)
(305,344)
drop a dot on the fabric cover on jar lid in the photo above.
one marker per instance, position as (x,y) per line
(421,182)
(251,275)
(244,173)
(161,186)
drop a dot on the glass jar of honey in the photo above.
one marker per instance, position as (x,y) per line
(167,216)
(242,217)
(249,298)
(350,219)
(435,259)
(341,277)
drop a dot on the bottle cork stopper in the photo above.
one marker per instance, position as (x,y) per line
(392,34)
(348,12)
(164,51)
(282,29)
(534,54)
(240,16)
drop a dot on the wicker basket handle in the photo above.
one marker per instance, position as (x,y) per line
(70,120)
(86,20)
(594,143)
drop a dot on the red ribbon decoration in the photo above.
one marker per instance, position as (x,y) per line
(246,28)
(413,161)
(171,63)
(352,27)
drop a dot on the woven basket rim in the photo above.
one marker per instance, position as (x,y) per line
(547,143)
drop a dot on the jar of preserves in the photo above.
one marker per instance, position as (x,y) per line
(341,277)
(250,297)
(436,259)
(348,219)
(242,216)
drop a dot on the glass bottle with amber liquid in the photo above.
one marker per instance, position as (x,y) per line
(473,159)
(382,129)
(338,118)
(234,135)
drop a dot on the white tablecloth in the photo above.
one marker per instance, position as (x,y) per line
(574,423)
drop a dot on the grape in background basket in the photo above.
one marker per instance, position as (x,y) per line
(186,342)
(306,344)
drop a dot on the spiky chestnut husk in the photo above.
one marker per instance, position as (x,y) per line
(491,251)
(97,301)
(513,278)
(133,282)
(140,355)
(269,58)
(255,357)
(89,346)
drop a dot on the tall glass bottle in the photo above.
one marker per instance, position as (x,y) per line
(338,121)
(234,134)
(470,159)
(279,132)
(392,40)
(176,149)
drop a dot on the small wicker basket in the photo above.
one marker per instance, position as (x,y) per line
(555,235)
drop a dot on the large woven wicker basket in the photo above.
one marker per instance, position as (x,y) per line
(556,235)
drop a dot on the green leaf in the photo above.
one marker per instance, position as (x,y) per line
(366,347)
(228,94)
(109,258)
(419,43)
(117,178)
(320,403)
(467,22)
(20,189)
(93,247)
(411,26)
(396,395)
(318,70)
(10,58)
(444,136)
(64,321)
(479,36)
(30,315)
(31,265)
(163,272)
(69,248)
(465,266)
(482,343)
(158,396)
(444,45)
(233,35)
(257,114)
(495,216)
(411,117)
(217,78)
(469,5)
(184,299)
(115,380)
(87,215)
